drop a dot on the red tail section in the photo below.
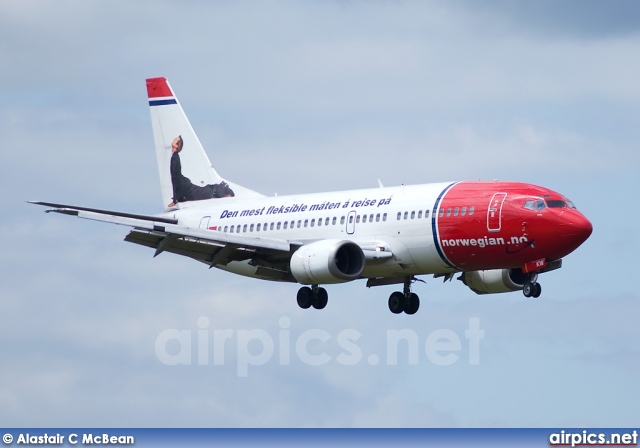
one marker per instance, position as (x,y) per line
(158,88)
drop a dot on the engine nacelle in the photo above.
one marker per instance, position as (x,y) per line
(327,261)
(495,280)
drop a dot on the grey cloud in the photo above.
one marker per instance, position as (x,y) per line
(591,19)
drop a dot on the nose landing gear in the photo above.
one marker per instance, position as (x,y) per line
(532,289)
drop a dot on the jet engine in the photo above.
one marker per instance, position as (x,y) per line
(327,261)
(495,280)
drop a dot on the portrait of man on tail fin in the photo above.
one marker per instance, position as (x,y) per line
(183,189)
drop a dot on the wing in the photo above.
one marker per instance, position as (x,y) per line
(269,255)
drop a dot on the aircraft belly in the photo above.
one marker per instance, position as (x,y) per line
(426,256)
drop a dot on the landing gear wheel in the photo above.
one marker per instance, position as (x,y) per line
(305,297)
(397,302)
(532,289)
(320,298)
(412,304)
(537,290)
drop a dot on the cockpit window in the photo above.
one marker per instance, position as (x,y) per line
(570,204)
(556,203)
(535,204)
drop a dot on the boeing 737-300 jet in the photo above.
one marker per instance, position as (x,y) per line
(497,236)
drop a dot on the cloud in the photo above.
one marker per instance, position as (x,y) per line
(589,19)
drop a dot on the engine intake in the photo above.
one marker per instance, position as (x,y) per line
(495,280)
(327,261)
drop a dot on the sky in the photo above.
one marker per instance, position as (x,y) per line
(299,97)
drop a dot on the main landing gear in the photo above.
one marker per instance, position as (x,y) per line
(314,296)
(406,300)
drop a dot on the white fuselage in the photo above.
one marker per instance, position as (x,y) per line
(395,219)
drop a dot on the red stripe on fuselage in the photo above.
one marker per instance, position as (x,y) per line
(500,232)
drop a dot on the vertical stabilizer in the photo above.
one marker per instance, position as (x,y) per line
(189,175)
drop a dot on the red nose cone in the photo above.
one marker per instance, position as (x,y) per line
(576,228)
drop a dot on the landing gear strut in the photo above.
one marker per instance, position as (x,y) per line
(406,300)
(314,296)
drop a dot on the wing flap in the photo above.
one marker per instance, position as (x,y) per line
(200,250)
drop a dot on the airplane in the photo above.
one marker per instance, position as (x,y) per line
(497,235)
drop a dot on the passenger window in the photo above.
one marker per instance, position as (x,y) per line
(471,209)
(326,222)
(406,215)
(299,223)
(455,211)
(357,219)
(285,225)
(448,212)
(419,214)
(258,227)
(378,217)
(351,219)
(225,228)
(306,222)
(384,217)
(364,218)
(333,221)
(271,226)
(413,215)
(319,221)
(313,222)
(231,230)
(441,214)
(399,215)
(426,214)
(244,228)
(251,228)
(278,226)
(463,211)
(342,220)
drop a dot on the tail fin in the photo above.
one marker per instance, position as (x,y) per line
(170,122)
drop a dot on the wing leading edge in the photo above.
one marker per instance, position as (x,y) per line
(268,255)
